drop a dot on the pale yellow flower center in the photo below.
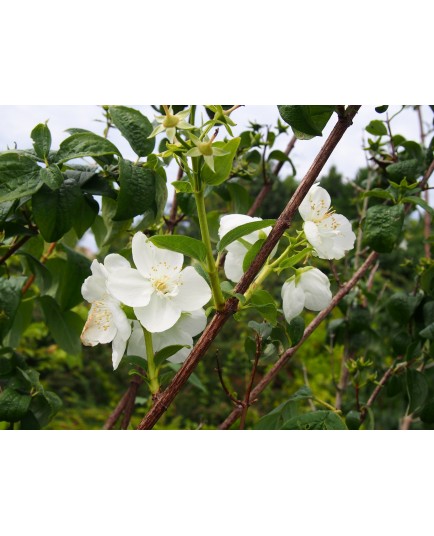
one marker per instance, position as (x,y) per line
(170,121)
(205,148)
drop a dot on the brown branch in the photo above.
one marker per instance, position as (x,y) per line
(247,402)
(126,404)
(286,356)
(220,318)
(287,151)
(15,247)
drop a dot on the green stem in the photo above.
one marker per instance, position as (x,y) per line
(154,385)
(269,267)
(211,267)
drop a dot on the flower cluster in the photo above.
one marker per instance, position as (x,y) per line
(167,299)
(330,236)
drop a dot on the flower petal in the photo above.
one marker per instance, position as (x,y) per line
(129,287)
(123,325)
(315,204)
(150,259)
(99,327)
(114,261)
(171,133)
(209,161)
(136,343)
(316,287)
(118,350)
(292,300)
(194,291)
(159,315)
(234,261)
(192,323)
(156,130)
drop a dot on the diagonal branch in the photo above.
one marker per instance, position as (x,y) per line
(220,318)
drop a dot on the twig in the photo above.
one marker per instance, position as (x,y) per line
(376,392)
(220,318)
(286,356)
(223,384)
(247,402)
(15,247)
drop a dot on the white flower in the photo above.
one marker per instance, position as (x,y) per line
(159,290)
(310,289)
(330,234)
(107,321)
(236,251)
(170,123)
(188,326)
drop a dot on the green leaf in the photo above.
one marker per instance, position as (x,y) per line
(306,121)
(43,276)
(418,201)
(162,355)
(407,169)
(222,164)
(241,231)
(377,128)
(381,109)
(114,229)
(402,306)
(428,332)
(264,302)
(296,330)
(13,405)
(280,156)
(41,137)
(382,227)
(68,277)
(182,186)
(87,211)
(193,378)
(182,244)
(241,198)
(10,297)
(139,193)
(380,193)
(352,420)
(42,409)
(315,420)
(19,177)
(22,320)
(51,176)
(85,144)
(263,329)
(285,411)
(64,326)
(54,211)
(135,127)
(417,390)
(252,253)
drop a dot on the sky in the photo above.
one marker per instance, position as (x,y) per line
(16,123)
